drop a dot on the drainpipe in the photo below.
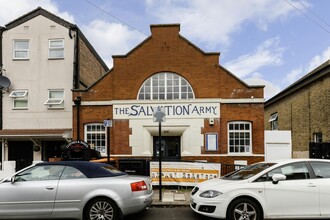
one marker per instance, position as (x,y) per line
(2,29)
(77,102)
(76,68)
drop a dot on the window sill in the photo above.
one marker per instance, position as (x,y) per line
(240,154)
(53,108)
(21,59)
(56,58)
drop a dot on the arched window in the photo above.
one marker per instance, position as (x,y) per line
(165,86)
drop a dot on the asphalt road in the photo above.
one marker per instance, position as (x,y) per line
(167,213)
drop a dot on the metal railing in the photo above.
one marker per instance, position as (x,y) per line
(228,168)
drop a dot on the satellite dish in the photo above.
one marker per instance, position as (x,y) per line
(4,82)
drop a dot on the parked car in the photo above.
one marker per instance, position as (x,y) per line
(291,189)
(73,190)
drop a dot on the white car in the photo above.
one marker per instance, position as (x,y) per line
(291,189)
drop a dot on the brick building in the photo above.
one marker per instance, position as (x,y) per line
(303,108)
(210,114)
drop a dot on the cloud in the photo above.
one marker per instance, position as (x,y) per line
(11,10)
(111,38)
(214,21)
(248,66)
(299,72)
(266,54)
(270,88)
(292,76)
(318,60)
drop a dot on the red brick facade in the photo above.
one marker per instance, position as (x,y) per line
(167,51)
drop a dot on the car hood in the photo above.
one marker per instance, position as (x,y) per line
(215,183)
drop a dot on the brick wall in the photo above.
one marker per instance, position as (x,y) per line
(90,68)
(304,112)
(167,51)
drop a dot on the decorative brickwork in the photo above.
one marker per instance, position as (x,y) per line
(167,51)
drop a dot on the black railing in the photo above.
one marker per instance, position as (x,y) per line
(228,168)
(319,150)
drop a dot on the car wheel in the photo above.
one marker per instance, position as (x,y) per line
(244,208)
(101,209)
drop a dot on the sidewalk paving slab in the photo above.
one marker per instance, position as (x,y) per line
(171,198)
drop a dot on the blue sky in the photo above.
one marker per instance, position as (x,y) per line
(263,42)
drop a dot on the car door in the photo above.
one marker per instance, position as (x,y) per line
(31,192)
(322,175)
(296,196)
(72,189)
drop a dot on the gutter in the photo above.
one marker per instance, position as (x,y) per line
(76,67)
(2,29)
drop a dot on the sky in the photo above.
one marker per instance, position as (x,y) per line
(263,42)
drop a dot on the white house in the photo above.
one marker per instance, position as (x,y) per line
(44,57)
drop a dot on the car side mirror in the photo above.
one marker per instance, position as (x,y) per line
(278,177)
(12,179)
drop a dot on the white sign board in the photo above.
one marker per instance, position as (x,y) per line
(176,111)
(184,173)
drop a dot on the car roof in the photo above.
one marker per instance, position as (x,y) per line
(286,161)
(89,169)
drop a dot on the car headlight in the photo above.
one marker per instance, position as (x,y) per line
(210,194)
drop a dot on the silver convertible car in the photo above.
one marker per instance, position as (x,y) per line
(73,190)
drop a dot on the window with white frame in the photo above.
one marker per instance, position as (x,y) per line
(273,120)
(20,99)
(55,99)
(56,49)
(95,136)
(240,137)
(21,49)
(165,86)
(318,137)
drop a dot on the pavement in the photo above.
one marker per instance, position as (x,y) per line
(171,197)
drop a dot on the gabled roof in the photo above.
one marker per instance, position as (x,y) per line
(177,27)
(40,11)
(309,78)
(36,12)
(167,25)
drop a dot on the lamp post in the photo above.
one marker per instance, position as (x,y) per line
(108,123)
(159,116)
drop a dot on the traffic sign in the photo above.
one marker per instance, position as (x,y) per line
(107,123)
(159,114)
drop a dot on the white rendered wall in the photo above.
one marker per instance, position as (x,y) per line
(38,74)
(143,130)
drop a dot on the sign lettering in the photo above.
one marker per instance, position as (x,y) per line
(189,110)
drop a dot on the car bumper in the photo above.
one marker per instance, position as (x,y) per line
(137,204)
(211,207)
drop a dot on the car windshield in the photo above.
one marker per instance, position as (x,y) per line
(247,171)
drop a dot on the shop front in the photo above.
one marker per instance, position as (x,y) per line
(23,147)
